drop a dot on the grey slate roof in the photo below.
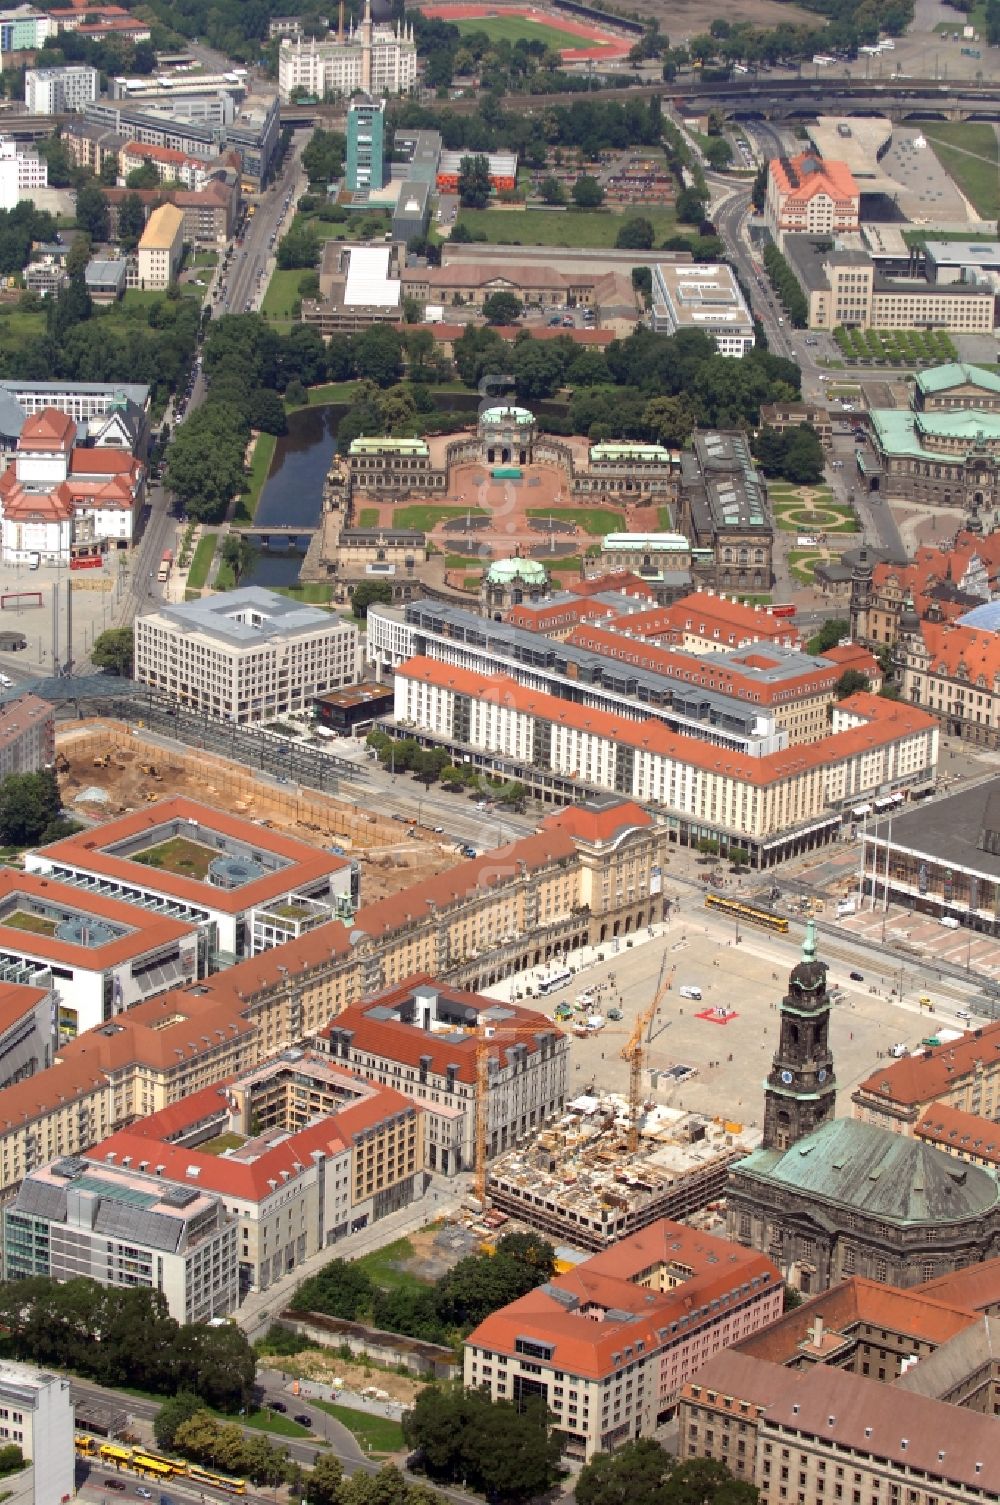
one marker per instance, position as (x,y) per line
(975,1348)
(877,1173)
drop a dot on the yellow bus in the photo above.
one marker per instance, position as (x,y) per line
(750,914)
(110,1452)
(216,1481)
(175,1465)
(85,1446)
(153,1468)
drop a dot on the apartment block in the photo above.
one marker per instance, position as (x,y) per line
(60,91)
(424,1039)
(314,1153)
(21,172)
(124,1228)
(809,195)
(27,735)
(609,1345)
(245,655)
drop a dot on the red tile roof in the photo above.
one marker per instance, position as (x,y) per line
(913,1080)
(603,823)
(810,175)
(48,429)
(585,1341)
(716,618)
(16,1000)
(103,462)
(88,850)
(145,931)
(960,1132)
(977,1286)
(972,649)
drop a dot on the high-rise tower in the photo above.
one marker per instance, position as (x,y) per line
(801,1089)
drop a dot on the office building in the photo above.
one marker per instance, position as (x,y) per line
(375,58)
(426,1038)
(161,246)
(809,196)
(23,29)
(104,955)
(201,865)
(36,1415)
(105,279)
(706,298)
(314,1153)
(365,145)
(21,172)
(724,510)
(170,166)
(828,1198)
(609,1345)
(27,735)
(245,655)
(124,1227)
(60,91)
(28,1014)
(107,415)
(204,126)
(846,288)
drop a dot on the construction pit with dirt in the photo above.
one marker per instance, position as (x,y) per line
(107,769)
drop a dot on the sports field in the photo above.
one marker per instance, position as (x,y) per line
(576,40)
(519,28)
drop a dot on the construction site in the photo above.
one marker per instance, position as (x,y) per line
(107,769)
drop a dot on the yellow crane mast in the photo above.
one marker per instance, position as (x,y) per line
(633,1052)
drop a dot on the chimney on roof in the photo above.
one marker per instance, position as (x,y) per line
(816,1335)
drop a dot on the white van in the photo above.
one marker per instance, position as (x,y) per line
(845,907)
(948,921)
(689,991)
(897,1050)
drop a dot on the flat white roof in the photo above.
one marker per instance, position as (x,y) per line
(368,280)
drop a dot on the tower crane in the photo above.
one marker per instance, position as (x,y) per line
(633,1051)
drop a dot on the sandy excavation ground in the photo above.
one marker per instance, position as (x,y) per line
(688,18)
(391,859)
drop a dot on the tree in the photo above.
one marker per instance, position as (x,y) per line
(511,1453)
(131,221)
(171,1415)
(113,650)
(340,1289)
(669,420)
(299,248)
(263,1462)
(851,682)
(643,1473)
(791,1299)
(587,192)
(145,176)
(636,234)
(758,196)
(370,593)
(718,153)
(324,1483)
(239,554)
(642,281)
(690,206)
(502,308)
(92,211)
(28,803)
(266,411)
(550,191)
(829,635)
(323,156)
(378,355)
(78,258)
(474,182)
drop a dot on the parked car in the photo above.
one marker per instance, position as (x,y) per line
(277,1405)
(303,1419)
(690,991)
(143,1492)
(857,977)
(118,1484)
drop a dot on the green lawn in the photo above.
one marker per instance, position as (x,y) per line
(221,1142)
(246,508)
(202,562)
(593,520)
(380,1434)
(282,293)
(968,151)
(665,519)
(427,515)
(35,923)
(570,562)
(368,517)
(515,28)
(460,562)
(801,561)
(138,297)
(315,592)
(178,854)
(331,391)
(18,325)
(562,227)
(381,1266)
(272,1421)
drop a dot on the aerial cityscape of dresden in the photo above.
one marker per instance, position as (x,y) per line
(500,752)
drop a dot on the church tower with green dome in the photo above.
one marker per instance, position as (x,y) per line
(801,1092)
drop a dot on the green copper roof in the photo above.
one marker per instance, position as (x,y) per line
(876,1173)
(900,432)
(503,571)
(957,374)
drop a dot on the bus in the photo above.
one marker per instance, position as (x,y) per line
(110,1452)
(166,564)
(85,1446)
(175,1465)
(750,914)
(201,1476)
(783,609)
(152,1467)
(557,979)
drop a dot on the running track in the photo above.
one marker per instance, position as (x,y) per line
(604,45)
